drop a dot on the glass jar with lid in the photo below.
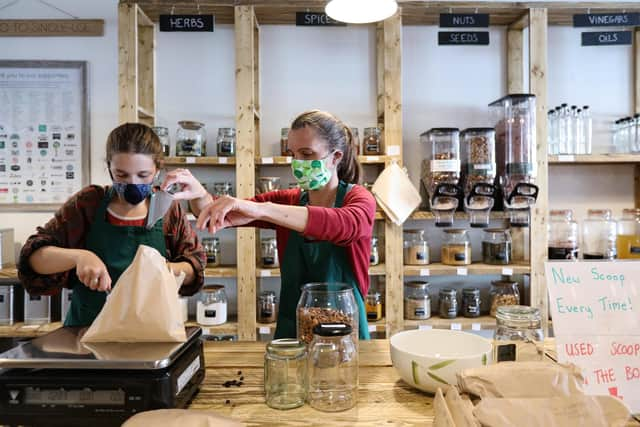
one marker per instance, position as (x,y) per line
(356,140)
(503,292)
(518,336)
(284,142)
(333,368)
(212,306)
(222,189)
(496,246)
(416,248)
(417,302)
(163,135)
(285,373)
(478,159)
(471,302)
(456,247)
(267,307)
(269,253)
(211,247)
(372,142)
(374,258)
(226,142)
(599,235)
(628,238)
(563,235)
(448,302)
(191,139)
(374,306)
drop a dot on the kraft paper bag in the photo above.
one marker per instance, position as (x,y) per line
(143,306)
(180,418)
(453,410)
(442,413)
(395,193)
(543,379)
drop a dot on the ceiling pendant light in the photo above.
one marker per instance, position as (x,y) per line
(361,11)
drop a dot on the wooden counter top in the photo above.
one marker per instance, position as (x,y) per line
(383,398)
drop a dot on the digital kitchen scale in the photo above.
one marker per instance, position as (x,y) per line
(55,380)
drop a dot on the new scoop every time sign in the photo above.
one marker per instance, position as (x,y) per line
(596,320)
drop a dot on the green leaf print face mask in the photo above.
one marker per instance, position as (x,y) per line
(311,174)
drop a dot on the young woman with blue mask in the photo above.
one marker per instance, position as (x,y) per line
(94,236)
(323,228)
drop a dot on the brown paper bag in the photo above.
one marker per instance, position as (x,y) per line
(461,409)
(143,306)
(506,379)
(442,413)
(180,418)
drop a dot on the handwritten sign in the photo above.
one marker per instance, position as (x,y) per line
(596,320)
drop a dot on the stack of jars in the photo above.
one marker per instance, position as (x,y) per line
(626,135)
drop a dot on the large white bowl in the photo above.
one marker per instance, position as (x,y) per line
(428,359)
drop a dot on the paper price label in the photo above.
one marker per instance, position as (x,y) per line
(424,327)
(462,271)
(372,328)
(393,150)
(264,330)
(288,159)
(507,271)
(566,158)
(205,331)
(222,160)
(265,273)
(456,327)
(476,326)
(424,272)
(373,159)
(267,160)
(189,160)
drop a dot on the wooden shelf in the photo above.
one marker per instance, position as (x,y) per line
(19,329)
(225,271)
(587,159)
(9,272)
(269,328)
(463,323)
(145,113)
(426,215)
(274,160)
(181,161)
(376,270)
(475,269)
(228,328)
(374,160)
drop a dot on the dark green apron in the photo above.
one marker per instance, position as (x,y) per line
(116,246)
(314,261)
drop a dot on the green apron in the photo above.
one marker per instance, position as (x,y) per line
(314,261)
(116,246)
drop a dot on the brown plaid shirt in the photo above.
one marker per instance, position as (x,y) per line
(70,226)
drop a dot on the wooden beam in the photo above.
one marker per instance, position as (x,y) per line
(380,71)
(521,23)
(538,86)
(636,68)
(147,69)
(143,19)
(127,63)
(246,133)
(515,62)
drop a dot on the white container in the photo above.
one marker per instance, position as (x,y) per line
(212,306)
(37,309)
(65,302)
(7,251)
(6,305)
(184,304)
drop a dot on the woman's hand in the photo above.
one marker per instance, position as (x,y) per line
(190,187)
(227,211)
(91,271)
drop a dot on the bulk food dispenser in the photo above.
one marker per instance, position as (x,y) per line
(478,174)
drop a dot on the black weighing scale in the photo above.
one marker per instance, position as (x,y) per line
(55,380)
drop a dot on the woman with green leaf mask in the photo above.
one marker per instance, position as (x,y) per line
(323,228)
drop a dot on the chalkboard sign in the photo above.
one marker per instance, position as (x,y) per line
(479,38)
(464,20)
(316,19)
(607,20)
(187,23)
(606,38)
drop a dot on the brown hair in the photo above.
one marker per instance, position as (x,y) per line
(135,138)
(338,136)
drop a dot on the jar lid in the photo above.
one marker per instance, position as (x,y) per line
(212,288)
(448,292)
(417,285)
(160,129)
(519,314)
(372,129)
(414,231)
(191,125)
(332,329)
(267,294)
(441,131)
(286,347)
(269,240)
(374,294)
(470,291)
(563,213)
(602,213)
(495,230)
(478,130)
(454,230)
(504,282)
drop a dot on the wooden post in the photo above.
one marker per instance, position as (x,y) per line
(515,65)
(246,137)
(392,104)
(636,69)
(146,69)
(128,62)
(380,72)
(538,86)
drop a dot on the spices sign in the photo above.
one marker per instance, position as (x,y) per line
(316,19)
(477,38)
(607,20)
(596,321)
(606,38)
(187,23)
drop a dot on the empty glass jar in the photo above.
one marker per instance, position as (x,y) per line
(496,246)
(191,139)
(211,247)
(163,135)
(448,301)
(416,248)
(267,307)
(285,373)
(333,368)
(417,302)
(269,253)
(563,235)
(212,305)
(599,235)
(456,247)
(372,142)
(519,336)
(226,142)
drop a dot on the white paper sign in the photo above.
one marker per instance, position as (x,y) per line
(596,321)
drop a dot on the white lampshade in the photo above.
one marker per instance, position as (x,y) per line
(360,11)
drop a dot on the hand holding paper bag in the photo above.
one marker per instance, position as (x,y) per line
(395,193)
(144,305)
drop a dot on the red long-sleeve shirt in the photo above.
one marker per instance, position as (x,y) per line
(350,226)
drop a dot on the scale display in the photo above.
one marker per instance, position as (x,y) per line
(60,396)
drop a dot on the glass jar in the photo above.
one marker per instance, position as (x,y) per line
(356,140)
(628,238)
(518,335)
(326,303)
(563,235)
(416,248)
(226,142)
(163,135)
(374,258)
(285,373)
(374,306)
(496,246)
(372,142)
(284,142)
(456,247)
(211,247)
(503,292)
(222,189)
(212,306)
(448,302)
(333,368)
(191,139)
(269,253)
(417,303)
(267,184)
(478,159)
(599,235)
(267,307)
(471,302)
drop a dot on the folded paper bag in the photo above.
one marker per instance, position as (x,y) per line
(180,418)
(395,193)
(143,306)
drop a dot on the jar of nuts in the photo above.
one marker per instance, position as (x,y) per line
(456,247)
(416,248)
(478,159)
(503,292)
(417,302)
(444,157)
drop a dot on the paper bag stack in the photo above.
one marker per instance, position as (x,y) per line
(395,193)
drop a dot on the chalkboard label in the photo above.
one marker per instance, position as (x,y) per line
(480,38)
(607,20)
(187,23)
(464,20)
(606,38)
(316,19)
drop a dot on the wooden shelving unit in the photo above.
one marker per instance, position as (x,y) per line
(474,269)
(428,216)
(595,159)
(204,161)
(459,323)
(225,271)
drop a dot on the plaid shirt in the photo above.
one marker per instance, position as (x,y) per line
(70,226)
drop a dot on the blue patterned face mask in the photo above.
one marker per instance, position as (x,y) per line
(132,193)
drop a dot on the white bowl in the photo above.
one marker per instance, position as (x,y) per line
(428,359)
